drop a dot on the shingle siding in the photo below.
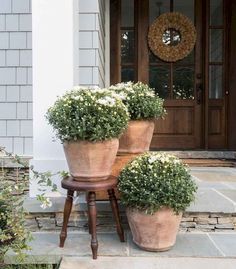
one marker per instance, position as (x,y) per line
(16,76)
(16,108)
(92,42)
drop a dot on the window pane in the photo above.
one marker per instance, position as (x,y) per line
(156,8)
(127,74)
(216,9)
(185,7)
(215,81)
(127,46)
(127,13)
(159,80)
(183,83)
(216,45)
(153,58)
(188,59)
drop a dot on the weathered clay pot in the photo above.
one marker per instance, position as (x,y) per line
(91,161)
(137,138)
(155,232)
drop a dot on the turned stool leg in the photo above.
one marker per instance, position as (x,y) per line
(116,214)
(67,211)
(89,221)
(92,222)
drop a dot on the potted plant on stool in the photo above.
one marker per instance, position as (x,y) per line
(144,106)
(156,188)
(89,122)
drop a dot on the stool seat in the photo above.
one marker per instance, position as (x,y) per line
(69,183)
(72,185)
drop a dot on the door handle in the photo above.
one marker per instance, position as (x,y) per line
(199,92)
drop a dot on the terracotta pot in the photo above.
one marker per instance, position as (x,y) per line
(119,164)
(91,161)
(155,232)
(137,138)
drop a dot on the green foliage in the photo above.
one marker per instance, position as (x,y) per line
(154,180)
(88,114)
(140,99)
(12,217)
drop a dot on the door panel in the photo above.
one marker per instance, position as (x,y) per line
(176,83)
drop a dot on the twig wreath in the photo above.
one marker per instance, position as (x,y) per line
(182,27)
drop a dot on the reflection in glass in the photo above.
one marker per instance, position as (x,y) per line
(127,74)
(127,13)
(185,7)
(171,37)
(216,45)
(216,9)
(156,8)
(215,81)
(187,60)
(159,80)
(183,83)
(127,46)
(153,58)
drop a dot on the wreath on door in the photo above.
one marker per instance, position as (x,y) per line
(172,36)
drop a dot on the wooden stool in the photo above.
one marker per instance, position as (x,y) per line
(90,188)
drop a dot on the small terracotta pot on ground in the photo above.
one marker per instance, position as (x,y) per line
(90,161)
(137,138)
(155,232)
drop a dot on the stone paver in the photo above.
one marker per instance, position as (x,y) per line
(215,174)
(45,247)
(209,200)
(226,243)
(147,263)
(231,194)
(187,245)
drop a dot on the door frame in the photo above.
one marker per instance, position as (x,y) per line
(232,77)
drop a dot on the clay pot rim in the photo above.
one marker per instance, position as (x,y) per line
(143,211)
(89,142)
(141,120)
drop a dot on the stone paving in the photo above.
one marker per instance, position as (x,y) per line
(216,198)
(147,263)
(199,245)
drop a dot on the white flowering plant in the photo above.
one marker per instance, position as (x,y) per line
(155,180)
(141,100)
(91,114)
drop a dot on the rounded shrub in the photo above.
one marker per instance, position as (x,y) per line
(91,114)
(155,180)
(140,99)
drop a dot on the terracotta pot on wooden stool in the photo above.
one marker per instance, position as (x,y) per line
(155,232)
(120,162)
(137,138)
(90,161)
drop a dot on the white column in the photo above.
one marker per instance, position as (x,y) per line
(55,64)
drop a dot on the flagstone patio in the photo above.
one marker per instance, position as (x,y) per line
(216,197)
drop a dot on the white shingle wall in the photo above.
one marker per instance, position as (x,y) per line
(16,76)
(92,42)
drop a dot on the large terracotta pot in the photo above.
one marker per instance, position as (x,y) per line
(155,232)
(90,161)
(137,138)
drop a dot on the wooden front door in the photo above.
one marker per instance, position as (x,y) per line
(195,87)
